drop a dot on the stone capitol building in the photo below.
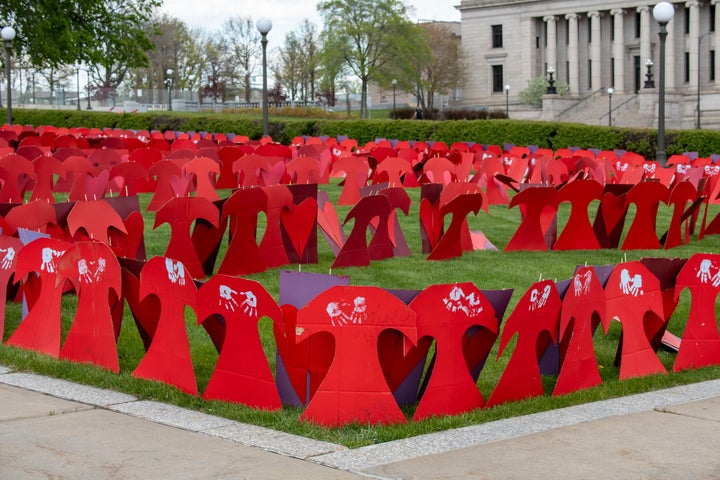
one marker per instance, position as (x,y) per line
(592,47)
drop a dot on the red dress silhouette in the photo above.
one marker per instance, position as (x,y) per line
(242,373)
(354,389)
(168,357)
(95,272)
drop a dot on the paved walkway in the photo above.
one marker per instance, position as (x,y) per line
(56,429)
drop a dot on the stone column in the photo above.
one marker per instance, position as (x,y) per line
(717,39)
(670,57)
(693,7)
(573,59)
(644,32)
(551,49)
(618,49)
(595,51)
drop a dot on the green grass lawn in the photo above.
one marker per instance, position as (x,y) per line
(487,269)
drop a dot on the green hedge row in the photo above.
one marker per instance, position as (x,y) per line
(543,134)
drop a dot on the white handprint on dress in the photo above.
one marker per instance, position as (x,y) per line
(48,259)
(7,260)
(631,285)
(176,271)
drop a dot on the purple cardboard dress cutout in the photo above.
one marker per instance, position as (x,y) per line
(535,320)
(242,373)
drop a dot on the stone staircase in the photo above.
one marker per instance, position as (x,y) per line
(625,112)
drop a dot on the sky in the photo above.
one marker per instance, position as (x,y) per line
(286,15)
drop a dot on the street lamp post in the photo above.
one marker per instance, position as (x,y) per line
(77,85)
(89,107)
(649,82)
(663,13)
(169,82)
(507,101)
(551,90)
(610,92)
(394,84)
(264,25)
(113,88)
(8,35)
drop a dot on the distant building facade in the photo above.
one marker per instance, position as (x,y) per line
(591,46)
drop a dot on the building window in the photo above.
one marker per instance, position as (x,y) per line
(712,65)
(497,36)
(589,84)
(537,42)
(637,24)
(589,31)
(498,78)
(687,67)
(712,18)
(687,21)
(612,71)
(612,29)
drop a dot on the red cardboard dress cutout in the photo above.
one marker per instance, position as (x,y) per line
(535,319)
(40,329)
(168,358)
(583,308)
(95,272)
(446,312)
(354,389)
(9,248)
(633,296)
(700,344)
(578,233)
(242,373)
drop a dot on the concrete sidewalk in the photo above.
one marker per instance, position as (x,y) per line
(55,429)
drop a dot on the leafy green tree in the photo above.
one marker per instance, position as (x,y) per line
(537,87)
(364,33)
(51,33)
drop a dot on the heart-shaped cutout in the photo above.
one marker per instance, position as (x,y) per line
(299,221)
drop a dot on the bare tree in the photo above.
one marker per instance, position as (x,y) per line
(242,40)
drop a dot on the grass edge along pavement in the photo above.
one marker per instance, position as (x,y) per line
(487,269)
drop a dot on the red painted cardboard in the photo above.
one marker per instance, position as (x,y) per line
(356,252)
(40,329)
(248,169)
(36,215)
(94,271)
(168,358)
(165,171)
(445,313)
(272,248)
(180,213)
(45,170)
(242,374)
(538,205)
(700,345)
(205,170)
(354,389)
(634,298)
(93,220)
(583,308)
(578,233)
(535,320)
(9,248)
(243,255)
(680,195)
(329,223)
(16,171)
(356,176)
(647,197)
(450,244)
